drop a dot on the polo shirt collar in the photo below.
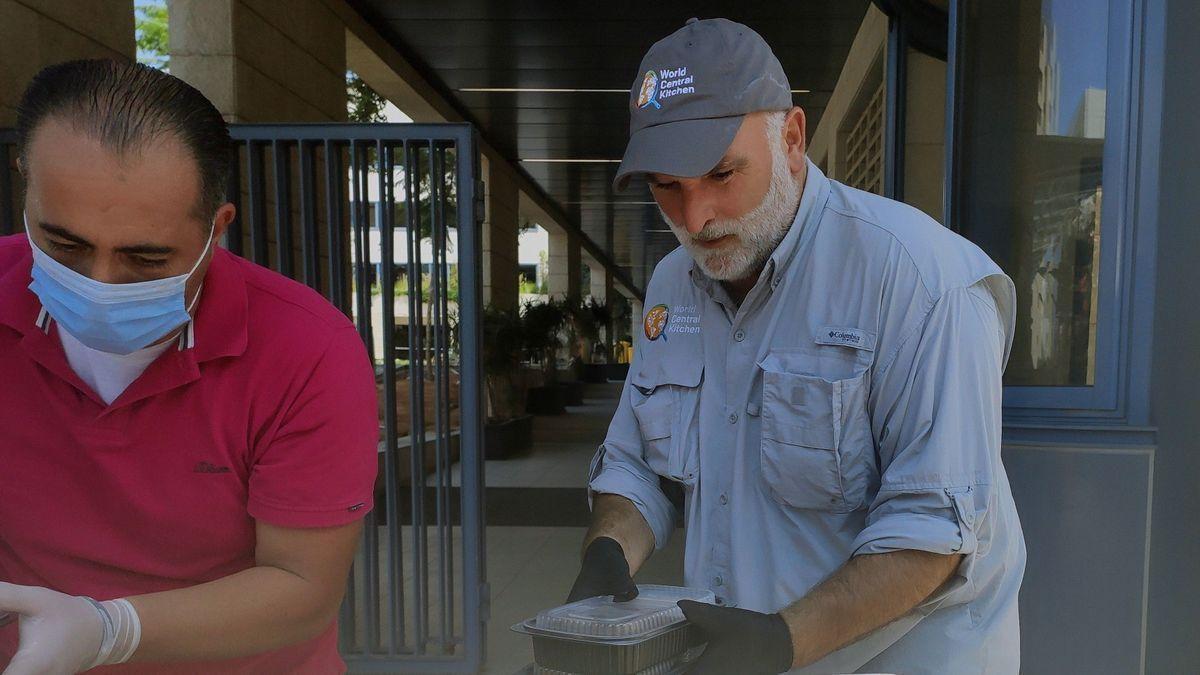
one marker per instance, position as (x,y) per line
(804,225)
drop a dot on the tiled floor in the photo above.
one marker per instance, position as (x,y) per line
(563,445)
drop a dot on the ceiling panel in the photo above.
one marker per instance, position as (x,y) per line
(461,44)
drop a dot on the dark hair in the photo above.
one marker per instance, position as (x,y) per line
(126,105)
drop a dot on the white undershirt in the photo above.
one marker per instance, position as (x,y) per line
(107,374)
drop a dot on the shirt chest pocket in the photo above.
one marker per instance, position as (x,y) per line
(666,403)
(816,450)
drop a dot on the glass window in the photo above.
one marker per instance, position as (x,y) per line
(1030,189)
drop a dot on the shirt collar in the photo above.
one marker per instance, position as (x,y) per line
(808,214)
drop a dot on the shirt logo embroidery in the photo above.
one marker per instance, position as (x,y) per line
(356,507)
(655,324)
(205,467)
(846,337)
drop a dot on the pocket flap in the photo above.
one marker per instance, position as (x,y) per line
(795,434)
(655,416)
(683,370)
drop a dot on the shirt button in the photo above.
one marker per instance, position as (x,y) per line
(720,602)
(733,418)
(724,500)
(739,335)
(718,581)
(775,282)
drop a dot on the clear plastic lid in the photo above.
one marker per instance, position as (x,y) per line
(600,618)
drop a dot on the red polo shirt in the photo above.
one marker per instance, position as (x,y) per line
(270,415)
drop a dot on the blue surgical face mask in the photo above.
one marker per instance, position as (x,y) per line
(114,318)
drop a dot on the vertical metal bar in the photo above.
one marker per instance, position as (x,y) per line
(308,216)
(387,286)
(334,191)
(443,229)
(953,124)
(258,205)
(895,105)
(8,200)
(358,216)
(233,193)
(416,380)
(334,182)
(358,212)
(441,445)
(281,159)
(348,614)
(446,397)
(471,397)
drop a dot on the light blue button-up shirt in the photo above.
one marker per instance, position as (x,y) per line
(850,405)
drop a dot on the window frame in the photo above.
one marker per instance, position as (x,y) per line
(1130,112)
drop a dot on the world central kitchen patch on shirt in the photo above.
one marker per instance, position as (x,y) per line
(663,320)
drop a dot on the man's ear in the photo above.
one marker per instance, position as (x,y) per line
(794,138)
(225,216)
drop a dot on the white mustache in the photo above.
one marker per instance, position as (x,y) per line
(712,233)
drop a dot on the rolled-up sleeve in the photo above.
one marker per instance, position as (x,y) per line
(936,415)
(619,468)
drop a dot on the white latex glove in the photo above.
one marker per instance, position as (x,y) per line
(60,633)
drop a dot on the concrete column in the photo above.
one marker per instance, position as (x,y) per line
(600,281)
(564,260)
(38,33)
(261,61)
(500,227)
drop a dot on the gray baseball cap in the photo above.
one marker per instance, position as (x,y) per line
(692,91)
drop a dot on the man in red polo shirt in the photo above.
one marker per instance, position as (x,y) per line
(187,440)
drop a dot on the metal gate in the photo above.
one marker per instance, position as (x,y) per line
(384,221)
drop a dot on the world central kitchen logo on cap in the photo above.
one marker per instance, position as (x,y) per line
(649,94)
(656,321)
(663,84)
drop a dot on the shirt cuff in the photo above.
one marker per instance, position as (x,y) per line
(618,479)
(935,520)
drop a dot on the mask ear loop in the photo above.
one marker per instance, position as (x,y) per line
(187,336)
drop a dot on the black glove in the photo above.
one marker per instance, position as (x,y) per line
(739,641)
(604,572)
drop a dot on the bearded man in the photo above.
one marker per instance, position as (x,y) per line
(819,382)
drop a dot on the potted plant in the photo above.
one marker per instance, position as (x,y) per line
(542,323)
(590,318)
(574,329)
(508,429)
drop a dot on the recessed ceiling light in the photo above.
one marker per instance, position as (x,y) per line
(547,160)
(541,90)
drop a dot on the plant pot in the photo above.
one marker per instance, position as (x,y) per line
(595,373)
(502,440)
(572,392)
(546,400)
(617,372)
